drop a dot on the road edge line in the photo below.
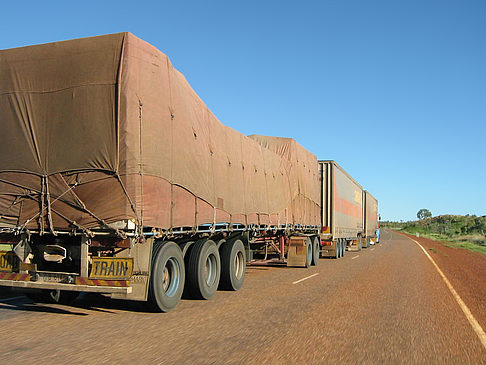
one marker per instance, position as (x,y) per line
(472,321)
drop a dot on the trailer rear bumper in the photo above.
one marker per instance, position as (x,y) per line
(328,252)
(68,287)
(328,248)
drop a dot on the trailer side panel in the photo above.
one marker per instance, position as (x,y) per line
(370,215)
(342,202)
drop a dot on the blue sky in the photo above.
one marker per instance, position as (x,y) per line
(394,91)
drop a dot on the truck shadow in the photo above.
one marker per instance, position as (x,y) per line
(85,303)
(100,303)
(27,306)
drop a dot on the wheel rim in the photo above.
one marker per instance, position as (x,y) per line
(239,265)
(210,269)
(171,277)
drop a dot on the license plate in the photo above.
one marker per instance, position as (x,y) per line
(8,261)
(51,277)
(114,268)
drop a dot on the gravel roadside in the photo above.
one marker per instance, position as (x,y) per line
(466,270)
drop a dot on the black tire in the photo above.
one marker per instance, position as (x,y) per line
(203,270)
(336,256)
(316,250)
(365,242)
(343,248)
(233,265)
(308,255)
(65,297)
(167,277)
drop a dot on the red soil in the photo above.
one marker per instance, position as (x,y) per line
(466,270)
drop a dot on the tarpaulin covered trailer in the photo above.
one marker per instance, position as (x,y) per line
(112,170)
(302,172)
(100,130)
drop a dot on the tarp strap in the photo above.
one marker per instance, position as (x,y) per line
(41,212)
(18,199)
(45,197)
(33,217)
(128,197)
(77,225)
(48,201)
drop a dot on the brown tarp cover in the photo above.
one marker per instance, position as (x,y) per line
(102,129)
(302,171)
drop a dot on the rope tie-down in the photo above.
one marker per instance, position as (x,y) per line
(46,200)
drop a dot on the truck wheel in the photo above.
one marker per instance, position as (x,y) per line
(365,242)
(336,256)
(308,255)
(343,248)
(203,269)
(167,277)
(233,265)
(316,250)
(53,296)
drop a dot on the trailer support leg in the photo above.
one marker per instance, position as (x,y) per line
(84,255)
(282,247)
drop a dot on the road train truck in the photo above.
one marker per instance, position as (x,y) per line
(115,178)
(370,212)
(342,210)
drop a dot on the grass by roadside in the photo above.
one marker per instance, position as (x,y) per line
(466,232)
(467,246)
(452,242)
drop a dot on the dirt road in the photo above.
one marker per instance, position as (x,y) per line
(385,304)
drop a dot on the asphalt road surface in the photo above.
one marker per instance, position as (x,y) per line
(385,304)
